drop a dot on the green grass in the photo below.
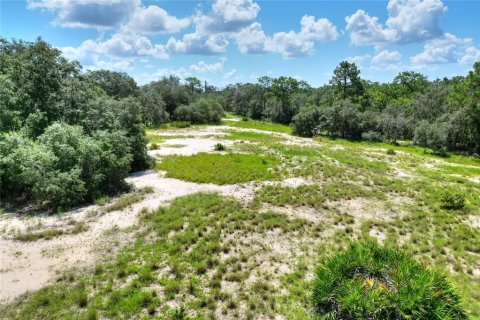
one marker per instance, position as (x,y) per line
(50,233)
(124,202)
(219,169)
(259,125)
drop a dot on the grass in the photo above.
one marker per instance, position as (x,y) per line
(260,125)
(214,257)
(124,202)
(50,233)
(219,169)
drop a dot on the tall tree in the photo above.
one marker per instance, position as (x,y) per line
(347,82)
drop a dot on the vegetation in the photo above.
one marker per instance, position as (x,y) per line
(63,140)
(219,169)
(367,281)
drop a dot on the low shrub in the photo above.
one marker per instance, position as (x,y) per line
(153,146)
(391,152)
(368,281)
(372,136)
(452,200)
(245,119)
(219,147)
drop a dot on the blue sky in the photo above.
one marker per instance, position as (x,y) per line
(230,41)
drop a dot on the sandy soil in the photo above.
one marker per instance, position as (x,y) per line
(31,265)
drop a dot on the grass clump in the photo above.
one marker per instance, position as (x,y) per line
(368,281)
(124,202)
(153,146)
(180,124)
(452,200)
(219,169)
(219,147)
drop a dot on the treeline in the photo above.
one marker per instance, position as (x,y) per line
(443,115)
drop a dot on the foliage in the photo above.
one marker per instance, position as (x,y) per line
(305,121)
(200,112)
(452,200)
(367,281)
(219,147)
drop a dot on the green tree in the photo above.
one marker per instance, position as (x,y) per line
(346,81)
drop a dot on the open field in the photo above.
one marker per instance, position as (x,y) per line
(237,234)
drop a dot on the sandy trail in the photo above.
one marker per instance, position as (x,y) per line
(26,266)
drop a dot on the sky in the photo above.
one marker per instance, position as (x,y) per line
(236,41)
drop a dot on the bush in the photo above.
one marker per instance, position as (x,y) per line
(452,201)
(304,122)
(219,147)
(372,136)
(153,146)
(391,152)
(200,112)
(368,281)
(245,119)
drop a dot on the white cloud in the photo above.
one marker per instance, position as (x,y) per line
(87,13)
(253,40)
(230,74)
(446,49)
(386,56)
(154,19)
(408,21)
(118,52)
(236,10)
(196,43)
(317,30)
(472,55)
(215,67)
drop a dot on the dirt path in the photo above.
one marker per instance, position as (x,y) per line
(31,265)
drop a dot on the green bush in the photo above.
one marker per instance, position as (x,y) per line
(452,200)
(200,112)
(153,146)
(305,122)
(368,281)
(219,147)
(372,136)
(391,152)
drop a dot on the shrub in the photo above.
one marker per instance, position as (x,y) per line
(391,152)
(200,112)
(304,122)
(245,119)
(153,146)
(219,147)
(372,136)
(452,201)
(368,281)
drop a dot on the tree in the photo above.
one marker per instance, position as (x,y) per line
(410,82)
(282,89)
(346,81)
(194,84)
(394,124)
(305,121)
(116,84)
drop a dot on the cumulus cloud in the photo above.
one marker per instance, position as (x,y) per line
(253,40)
(408,21)
(87,13)
(106,14)
(154,19)
(197,43)
(203,67)
(118,52)
(386,56)
(447,49)
(358,60)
